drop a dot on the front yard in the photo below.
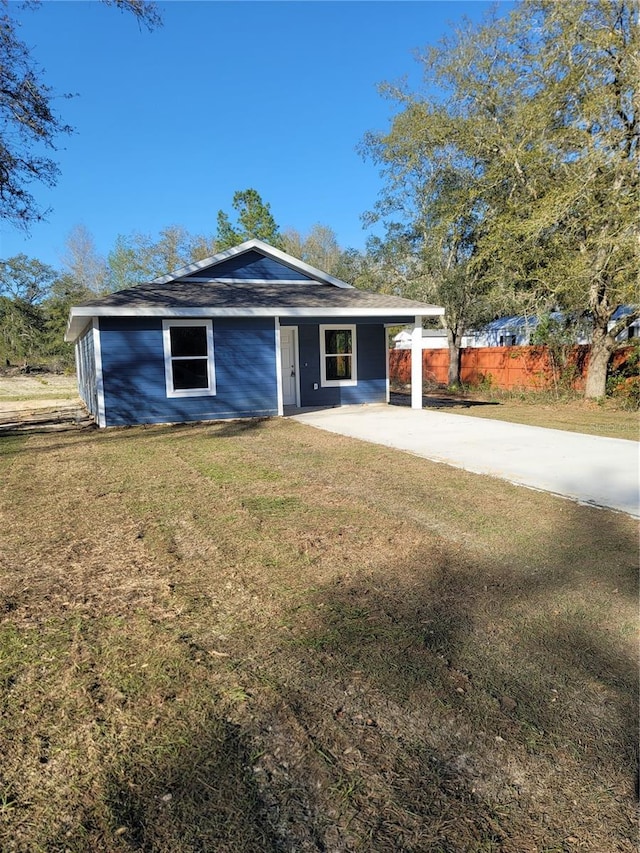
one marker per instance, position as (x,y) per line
(261,637)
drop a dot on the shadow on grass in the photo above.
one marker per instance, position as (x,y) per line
(239,428)
(439,401)
(14,442)
(182,790)
(522,656)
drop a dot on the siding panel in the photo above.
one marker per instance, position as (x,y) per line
(251,265)
(86,365)
(134,379)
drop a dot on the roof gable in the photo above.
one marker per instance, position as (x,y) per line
(250,266)
(252,260)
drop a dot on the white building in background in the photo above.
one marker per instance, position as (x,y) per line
(512,332)
(506,332)
(634,329)
(517,331)
(431,339)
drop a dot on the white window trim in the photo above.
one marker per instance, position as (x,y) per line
(168,359)
(338,383)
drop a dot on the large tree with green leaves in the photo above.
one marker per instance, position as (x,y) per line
(29,125)
(26,279)
(253,218)
(24,285)
(539,114)
(22,331)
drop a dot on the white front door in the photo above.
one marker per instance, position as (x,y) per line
(288,363)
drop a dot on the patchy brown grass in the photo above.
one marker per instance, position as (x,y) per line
(261,637)
(574,414)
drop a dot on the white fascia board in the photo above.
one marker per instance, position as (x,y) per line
(76,324)
(271,311)
(266,249)
(81,316)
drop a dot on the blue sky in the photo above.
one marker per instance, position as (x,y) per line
(225,96)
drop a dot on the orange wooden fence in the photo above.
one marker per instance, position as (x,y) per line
(503,367)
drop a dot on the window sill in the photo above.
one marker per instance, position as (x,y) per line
(191,392)
(339,383)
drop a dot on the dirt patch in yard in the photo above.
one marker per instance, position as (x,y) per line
(259,636)
(38,390)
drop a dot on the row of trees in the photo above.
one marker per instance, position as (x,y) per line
(35,298)
(34,305)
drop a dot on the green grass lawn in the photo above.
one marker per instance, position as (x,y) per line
(257,636)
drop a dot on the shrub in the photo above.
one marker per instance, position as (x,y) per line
(623,383)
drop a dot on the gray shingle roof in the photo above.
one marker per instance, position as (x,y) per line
(238,295)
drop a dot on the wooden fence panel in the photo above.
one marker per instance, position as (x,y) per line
(504,367)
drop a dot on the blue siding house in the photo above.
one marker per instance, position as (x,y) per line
(247,333)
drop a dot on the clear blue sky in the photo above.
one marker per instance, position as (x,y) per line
(225,96)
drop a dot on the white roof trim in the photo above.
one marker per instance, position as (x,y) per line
(266,249)
(78,319)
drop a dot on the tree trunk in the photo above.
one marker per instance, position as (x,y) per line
(453,376)
(602,346)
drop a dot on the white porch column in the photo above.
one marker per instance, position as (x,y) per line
(416,364)
(279,393)
(386,375)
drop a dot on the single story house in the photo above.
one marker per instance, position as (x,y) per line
(518,331)
(505,332)
(243,334)
(431,339)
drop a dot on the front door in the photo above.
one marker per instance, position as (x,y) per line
(288,364)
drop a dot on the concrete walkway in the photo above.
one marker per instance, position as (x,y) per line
(601,472)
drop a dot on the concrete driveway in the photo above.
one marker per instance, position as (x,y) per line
(601,472)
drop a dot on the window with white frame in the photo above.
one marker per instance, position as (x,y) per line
(338,364)
(188,358)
